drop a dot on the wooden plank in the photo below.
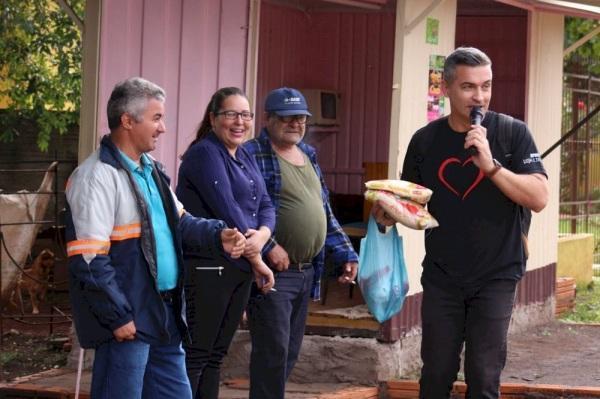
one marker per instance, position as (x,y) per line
(325,320)
(402,395)
(403,384)
(238,383)
(34,391)
(352,393)
(562,290)
(565,288)
(405,389)
(511,388)
(565,296)
(565,282)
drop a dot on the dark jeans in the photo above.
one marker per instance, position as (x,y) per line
(215,303)
(478,317)
(277,322)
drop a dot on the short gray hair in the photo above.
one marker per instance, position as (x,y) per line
(469,56)
(131,96)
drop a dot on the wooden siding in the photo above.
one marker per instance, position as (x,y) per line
(188,47)
(537,286)
(348,52)
(504,40)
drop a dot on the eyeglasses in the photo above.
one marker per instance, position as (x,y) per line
(233,115)
(301,119)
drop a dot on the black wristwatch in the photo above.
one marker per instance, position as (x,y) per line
(497,167)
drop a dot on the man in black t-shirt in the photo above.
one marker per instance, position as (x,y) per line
(474,259)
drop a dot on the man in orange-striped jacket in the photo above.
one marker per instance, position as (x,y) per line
(125,229)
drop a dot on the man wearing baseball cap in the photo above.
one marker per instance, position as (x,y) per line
(304,230)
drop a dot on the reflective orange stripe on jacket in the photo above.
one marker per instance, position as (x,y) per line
(87,247)
(126,231)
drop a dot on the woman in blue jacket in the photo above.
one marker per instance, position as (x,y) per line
(219,179)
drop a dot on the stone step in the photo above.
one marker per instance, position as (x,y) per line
(358,361)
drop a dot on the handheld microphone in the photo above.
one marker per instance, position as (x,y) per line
(476,116)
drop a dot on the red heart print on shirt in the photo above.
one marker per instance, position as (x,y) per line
(449,186)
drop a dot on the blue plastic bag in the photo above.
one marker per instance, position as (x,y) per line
(382,273)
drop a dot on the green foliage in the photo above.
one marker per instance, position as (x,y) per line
(7,357)
(40,67)
(586,58)
(587,305)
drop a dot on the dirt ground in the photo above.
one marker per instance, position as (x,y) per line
(556,353)
(24,354)
(30,346)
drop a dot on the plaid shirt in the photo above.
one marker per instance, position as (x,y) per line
(337,243)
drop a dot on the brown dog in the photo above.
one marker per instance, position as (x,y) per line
(35,280)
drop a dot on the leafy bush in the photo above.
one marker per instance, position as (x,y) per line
(40,68)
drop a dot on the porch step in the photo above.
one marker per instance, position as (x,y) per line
(324,359)
(356,317)
(238,388)
(60,383)
(409,389)
(50,384)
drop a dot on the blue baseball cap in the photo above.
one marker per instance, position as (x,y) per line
(286,101)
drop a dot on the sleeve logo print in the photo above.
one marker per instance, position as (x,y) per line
(534,157)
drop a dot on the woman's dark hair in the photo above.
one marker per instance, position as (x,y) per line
(214,106)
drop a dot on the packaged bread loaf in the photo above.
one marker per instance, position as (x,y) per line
(402,188)
(402,210)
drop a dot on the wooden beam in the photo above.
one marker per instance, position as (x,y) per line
(411,25)
(252,59)
(581,41)
(90,68)
(357,3)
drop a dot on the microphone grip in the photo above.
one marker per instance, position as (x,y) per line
(476,116)
(476,119)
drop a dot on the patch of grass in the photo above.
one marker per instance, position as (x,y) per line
(7,357)
(587,305)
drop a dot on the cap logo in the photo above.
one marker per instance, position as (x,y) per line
(289,100)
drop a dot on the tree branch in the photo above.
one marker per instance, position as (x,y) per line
(69,10)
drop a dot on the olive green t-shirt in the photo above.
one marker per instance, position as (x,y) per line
(301,223)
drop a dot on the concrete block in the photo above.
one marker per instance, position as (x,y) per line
(575,257)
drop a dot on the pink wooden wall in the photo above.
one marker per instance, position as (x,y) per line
(504,39)
(349,52)
(188,47)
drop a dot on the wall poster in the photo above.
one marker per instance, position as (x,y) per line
(432,31)
(435,97)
